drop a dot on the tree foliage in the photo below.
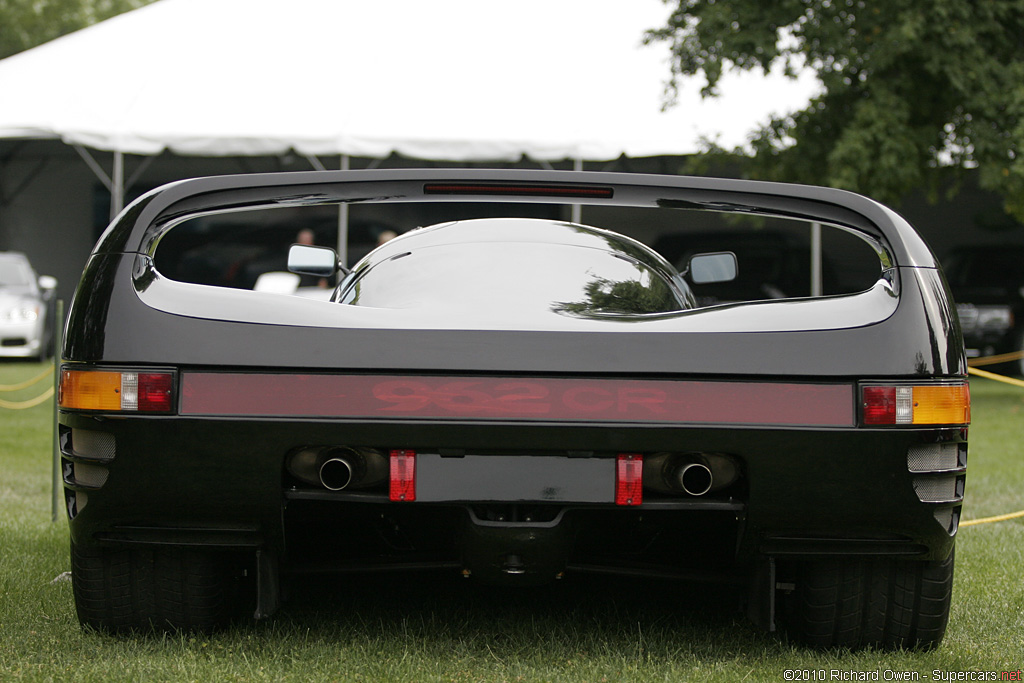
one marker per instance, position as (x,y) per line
(913,91)
(27,23)
(628,297)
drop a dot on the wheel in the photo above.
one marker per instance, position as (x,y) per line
(163,589)
(871,602)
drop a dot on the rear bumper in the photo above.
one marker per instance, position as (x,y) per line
(223,482)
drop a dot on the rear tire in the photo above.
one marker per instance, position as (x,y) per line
(162,589)
(871,602)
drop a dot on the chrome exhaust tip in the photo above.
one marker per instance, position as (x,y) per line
(693,473)
(336,474)
(695,478)
(338,467)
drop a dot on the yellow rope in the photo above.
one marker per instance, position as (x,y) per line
(1007,380)
(999,378)
(27,383)
(32,402)
(997,518)
(992,360)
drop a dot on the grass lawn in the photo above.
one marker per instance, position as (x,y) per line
(439,628)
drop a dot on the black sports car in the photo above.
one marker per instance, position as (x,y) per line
(517,400)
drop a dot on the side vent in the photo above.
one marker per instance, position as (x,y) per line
(940,476)
(85,454)
(92,445)
(939,489)
(934,457)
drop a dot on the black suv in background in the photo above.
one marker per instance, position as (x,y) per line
(988,286)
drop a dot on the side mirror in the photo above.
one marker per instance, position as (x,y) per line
(714,267)
(309,260)
(47,282)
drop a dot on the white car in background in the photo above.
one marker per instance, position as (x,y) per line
(25,325)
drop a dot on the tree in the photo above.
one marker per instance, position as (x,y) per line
(914,92)
(27,23)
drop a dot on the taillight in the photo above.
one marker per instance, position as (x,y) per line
(116,391)
(922,404)
(402,486)
(629,479)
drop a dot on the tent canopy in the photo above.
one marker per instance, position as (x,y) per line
(454,80)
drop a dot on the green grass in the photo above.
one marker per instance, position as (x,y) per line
(438,628)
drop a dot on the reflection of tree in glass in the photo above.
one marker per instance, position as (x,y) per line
(604,296)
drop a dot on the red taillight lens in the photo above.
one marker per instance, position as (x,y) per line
(629,479)
(916,405)
(155,392)
(403,476)
(879,405)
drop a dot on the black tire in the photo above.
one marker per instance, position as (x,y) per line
(871,602)
(164,589)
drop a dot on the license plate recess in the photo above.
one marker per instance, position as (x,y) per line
(514,478)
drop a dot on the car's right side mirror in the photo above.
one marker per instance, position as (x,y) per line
(305,259)
(713,267)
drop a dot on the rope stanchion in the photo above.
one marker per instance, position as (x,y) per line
(31,403)
(29,382)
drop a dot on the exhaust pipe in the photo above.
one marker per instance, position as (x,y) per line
(339,467)
(336,473)
(692,473)
(694,478)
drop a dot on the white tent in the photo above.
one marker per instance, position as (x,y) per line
(444,80)
(463,80)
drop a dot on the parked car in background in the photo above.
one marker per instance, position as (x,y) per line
(988,286)
(26,313)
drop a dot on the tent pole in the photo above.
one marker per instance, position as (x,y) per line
(577,209)
(114,185)
(815,259)
(117,185)
(315,162)
(94,166)
(138,172)
(343,222)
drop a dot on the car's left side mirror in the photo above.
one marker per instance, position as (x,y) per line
(714,267)
(309,260)
(47,282)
